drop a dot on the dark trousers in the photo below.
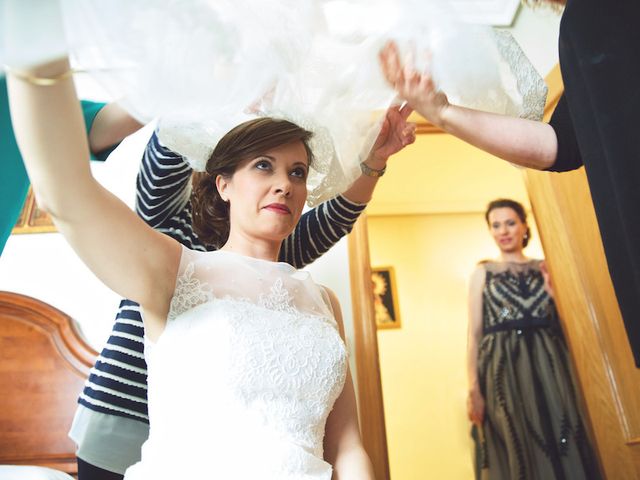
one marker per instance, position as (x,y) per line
(86,471)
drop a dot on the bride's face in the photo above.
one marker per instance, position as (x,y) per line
(266,194)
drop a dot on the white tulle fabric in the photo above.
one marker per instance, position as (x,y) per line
(203,66)
(244,376)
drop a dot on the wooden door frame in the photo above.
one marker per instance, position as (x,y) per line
(586,302)
(368,384)
(598,368)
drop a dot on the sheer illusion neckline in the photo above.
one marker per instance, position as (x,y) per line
(514,262)
(277,264)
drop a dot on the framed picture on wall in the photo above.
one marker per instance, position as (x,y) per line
(385,297)
(32,219)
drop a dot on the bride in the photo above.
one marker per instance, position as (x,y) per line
(248,371)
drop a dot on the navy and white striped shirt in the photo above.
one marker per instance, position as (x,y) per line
(117,384)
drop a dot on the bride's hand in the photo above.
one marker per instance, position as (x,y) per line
(416,88)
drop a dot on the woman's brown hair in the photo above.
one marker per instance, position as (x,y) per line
(248,140)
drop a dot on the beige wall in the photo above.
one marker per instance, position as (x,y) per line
(441,174)
(423,362)
(426,220)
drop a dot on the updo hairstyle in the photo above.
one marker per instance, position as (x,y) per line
(246,141)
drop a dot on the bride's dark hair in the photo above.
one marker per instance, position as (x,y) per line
(248,140)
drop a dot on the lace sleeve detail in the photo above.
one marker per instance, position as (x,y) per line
(529,83)
(189,293)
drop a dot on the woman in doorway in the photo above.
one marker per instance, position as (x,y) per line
(522,396)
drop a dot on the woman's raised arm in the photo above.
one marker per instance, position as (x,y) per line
(128,256)
(520,141)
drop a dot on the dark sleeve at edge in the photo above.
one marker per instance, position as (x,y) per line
(568,157)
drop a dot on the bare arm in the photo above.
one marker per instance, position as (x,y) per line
(342,443)
(517,140)
(111,125)
(523,142)
(548,284)
(475,401)
(116,245)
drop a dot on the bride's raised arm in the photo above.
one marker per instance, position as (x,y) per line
(127,255)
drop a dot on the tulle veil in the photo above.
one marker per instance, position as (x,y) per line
(203,66)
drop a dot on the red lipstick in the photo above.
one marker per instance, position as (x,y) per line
(280,208)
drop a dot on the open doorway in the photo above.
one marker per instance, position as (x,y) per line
(427,223)
(433,248)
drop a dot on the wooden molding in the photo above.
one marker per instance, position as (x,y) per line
(556,89)
(369,385)
(589,311)
(32,219)
(423,127)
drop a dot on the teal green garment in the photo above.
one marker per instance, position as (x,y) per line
(14,182)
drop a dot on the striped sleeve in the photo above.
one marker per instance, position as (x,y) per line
(320,229)
(180,228)
(117,383)
(163,185)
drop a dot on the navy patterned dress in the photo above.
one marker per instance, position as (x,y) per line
(533,428)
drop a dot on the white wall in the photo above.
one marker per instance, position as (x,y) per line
(536,30)
(44,266)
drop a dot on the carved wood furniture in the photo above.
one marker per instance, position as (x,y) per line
(43,364)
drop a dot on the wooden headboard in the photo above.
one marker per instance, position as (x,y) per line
(43,364)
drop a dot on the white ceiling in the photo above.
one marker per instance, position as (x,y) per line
(499,13)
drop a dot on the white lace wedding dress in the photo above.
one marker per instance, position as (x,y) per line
(244,376)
